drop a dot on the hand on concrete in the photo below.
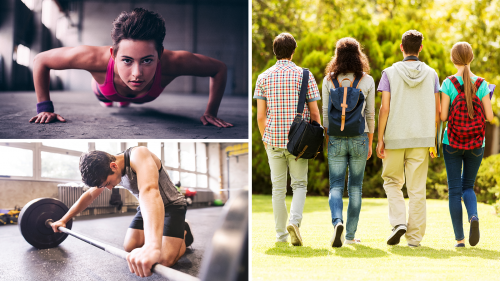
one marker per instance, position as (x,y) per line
(57,224)
(208,118)
(141,260)
(47,117)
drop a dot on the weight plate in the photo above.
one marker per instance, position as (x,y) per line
(32,222)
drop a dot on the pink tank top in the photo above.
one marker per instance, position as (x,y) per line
(108,88)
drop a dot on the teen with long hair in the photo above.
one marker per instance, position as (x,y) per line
(466,96)
(348,152)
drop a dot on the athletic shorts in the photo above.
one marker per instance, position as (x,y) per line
(173,225)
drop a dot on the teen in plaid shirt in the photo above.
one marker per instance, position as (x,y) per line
(461,184)
(277,93)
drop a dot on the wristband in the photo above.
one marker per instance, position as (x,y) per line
(45,106)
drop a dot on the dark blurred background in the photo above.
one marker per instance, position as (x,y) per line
(216,28)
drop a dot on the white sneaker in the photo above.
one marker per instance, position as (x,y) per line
(295,237)
(353,241)
(338,236)
(396,234)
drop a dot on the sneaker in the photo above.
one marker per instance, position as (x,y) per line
(189,239)
(106,104)
(338,236)
(459,245)
(295,237)
(414,246)
(123,104)
(396,234)
(474,231)
(353,241)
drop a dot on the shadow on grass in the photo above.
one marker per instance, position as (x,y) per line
(444,254)
(285,249)
(359,251)
(263,203)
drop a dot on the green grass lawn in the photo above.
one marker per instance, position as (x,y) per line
(373,259)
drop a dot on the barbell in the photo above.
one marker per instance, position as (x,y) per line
(222,261)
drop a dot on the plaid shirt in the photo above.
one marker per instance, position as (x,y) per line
(279,86)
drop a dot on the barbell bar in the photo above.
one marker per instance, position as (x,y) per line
(35,222)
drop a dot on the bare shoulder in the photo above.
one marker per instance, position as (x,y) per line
(171,60)
(90,58)
(141,157)
(96,58)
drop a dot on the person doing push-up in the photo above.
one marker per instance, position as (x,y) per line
(135,69)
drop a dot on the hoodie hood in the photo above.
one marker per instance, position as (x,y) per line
(412,72)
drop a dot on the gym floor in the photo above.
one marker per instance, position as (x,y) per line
(170,116)
(77,260)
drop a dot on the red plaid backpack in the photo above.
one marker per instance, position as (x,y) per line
(463,132)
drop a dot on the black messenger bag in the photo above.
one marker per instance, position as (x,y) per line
(305,139)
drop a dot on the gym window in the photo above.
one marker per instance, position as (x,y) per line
(55,160)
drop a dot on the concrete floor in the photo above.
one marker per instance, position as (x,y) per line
(170,116)
(76,260)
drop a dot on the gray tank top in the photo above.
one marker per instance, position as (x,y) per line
(169,193)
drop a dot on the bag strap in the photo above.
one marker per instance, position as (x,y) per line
(455,82)
(303,91)
(335,82)
(478,82)
(355,84)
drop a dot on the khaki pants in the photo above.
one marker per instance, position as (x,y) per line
(280,161)
(411,163)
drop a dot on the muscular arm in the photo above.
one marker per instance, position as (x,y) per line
(83,202)
(382,122)
(179,63)
(82,57)
(152,209)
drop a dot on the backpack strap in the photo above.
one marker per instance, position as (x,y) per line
(335,82)
(455,82)
(478,82)
(355,84)
(303,91)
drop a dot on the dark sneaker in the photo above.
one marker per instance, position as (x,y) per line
(459,245)
(396,234)
(338,236)
(295,237)
(189,239)
(474,231)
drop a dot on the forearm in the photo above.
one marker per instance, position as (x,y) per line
(41,79)
(382,122)
(83,202)
(216,91)
(315,116)
(261,123)
(370,139)
(153,212)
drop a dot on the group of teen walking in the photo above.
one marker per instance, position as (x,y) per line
(413,104)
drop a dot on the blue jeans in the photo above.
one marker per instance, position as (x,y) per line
(346,152)
(461,167)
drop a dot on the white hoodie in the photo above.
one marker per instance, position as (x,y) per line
(412,114)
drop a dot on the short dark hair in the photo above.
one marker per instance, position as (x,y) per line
(140,24)
(284,46)
(412,40)
(94,167)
